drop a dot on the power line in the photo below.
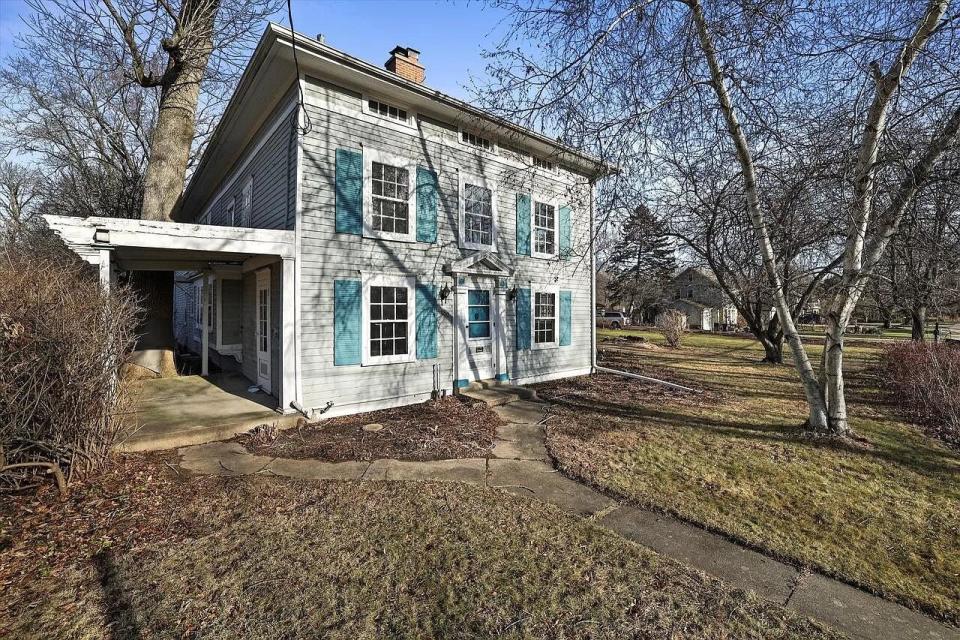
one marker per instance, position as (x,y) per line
(307,123)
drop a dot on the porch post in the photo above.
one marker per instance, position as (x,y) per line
(288,336)
(204,322)
(105,270)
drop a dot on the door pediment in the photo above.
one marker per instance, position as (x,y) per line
(482,263)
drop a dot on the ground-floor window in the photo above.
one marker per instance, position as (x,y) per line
(545,318)
(388,330)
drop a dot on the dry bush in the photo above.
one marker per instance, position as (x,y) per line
(672,324)
(925,379)
(62,341)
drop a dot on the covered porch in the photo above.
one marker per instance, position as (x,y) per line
(188,410)
(211,252)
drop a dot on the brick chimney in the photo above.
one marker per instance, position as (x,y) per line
(405,62)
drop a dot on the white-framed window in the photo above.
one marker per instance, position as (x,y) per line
(231,215)
(246,203)
(389,199)
(544,223)
(386,110)
(477,141)
(544,315)
(197,302)
(478,213)
(542,163)
(388,332)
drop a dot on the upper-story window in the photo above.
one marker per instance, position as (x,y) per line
(540,163)
(389,199)
(478,213)
(476,141)
(246,203)
(391,194)
(231,215)
(388,111)
(544,229)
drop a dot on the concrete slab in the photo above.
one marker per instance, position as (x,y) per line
(520,442)
(521,412)
(540,480)
(468,470)
(188,410)
(703,550)
(861,615)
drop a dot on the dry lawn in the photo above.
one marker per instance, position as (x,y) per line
(145,554)
(882,512)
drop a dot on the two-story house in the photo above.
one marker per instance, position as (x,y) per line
(696,292)
(352,239)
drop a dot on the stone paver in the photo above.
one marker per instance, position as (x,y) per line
(703,550)
(471,470)
(861,615)
(521,465)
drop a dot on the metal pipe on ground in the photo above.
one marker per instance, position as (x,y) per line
(637,376)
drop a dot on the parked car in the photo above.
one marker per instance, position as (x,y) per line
(613,320)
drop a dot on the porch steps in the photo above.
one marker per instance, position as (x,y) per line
(497,394)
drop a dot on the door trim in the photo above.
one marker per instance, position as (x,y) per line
(263,284)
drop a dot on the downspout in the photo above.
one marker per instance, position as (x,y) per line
(456,338)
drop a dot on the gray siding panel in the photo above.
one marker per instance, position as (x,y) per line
(273,168)
(326,255)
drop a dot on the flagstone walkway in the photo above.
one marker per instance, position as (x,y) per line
(520,464)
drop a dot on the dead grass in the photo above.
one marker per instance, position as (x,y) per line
(451,427)
(268,558)
(882,512)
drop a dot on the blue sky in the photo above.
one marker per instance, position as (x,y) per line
(450,35)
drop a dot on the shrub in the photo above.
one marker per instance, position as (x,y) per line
(62,341)
(925,378)
(672,324)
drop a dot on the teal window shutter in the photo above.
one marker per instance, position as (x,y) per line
(566,234)
(566,312)
(347,316)
(428,189)
(426,320)
(523,224)
(349,192)
(523,319)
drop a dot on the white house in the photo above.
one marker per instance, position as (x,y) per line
(352,239)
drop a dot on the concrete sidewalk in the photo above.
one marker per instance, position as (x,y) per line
(520,464)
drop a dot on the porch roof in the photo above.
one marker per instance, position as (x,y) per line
(145,245)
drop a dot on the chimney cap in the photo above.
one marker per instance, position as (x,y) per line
(408,52)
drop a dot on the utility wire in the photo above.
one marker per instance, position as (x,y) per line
(307,122)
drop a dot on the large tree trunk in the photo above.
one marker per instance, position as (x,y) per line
(165,177)
(918,322)
(772,350)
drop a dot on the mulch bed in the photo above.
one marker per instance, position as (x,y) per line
(451,427)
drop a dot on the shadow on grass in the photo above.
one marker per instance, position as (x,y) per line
(120,612)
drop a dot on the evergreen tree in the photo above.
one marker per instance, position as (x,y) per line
(642,262)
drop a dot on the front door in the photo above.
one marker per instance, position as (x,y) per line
(480,331)
(263,329)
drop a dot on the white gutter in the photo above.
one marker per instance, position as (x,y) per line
(637,376)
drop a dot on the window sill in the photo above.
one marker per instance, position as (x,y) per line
(392,237)
(492,248)
(539,346)
(373,362)
(543,256)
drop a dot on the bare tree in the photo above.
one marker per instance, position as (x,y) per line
(20,188)
(151,77)
(737,81)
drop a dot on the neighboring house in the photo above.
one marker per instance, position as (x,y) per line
(383,244)
(696,293)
